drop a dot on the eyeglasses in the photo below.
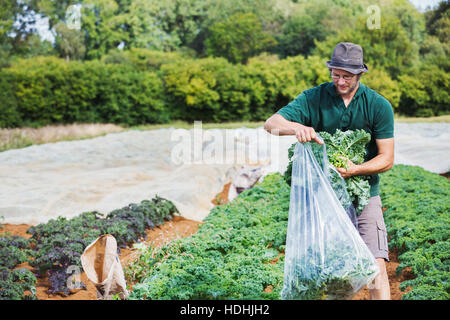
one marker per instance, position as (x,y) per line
(346,77)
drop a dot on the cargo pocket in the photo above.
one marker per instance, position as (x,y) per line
(382,236)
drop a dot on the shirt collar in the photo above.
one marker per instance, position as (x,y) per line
(331,90)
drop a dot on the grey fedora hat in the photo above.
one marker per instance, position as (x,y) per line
(349,57)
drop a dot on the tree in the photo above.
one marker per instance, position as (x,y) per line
(104,27)
(298,36)
(379,80)
(437,20)
(271,14)
(15,31)
(388,47)
(150,24)
(172,24)
(69,42)
(438,24)
(238,38)
(55,10)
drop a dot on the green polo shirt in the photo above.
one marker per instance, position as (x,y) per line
(324,110)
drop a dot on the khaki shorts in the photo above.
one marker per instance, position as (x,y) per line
(372,229)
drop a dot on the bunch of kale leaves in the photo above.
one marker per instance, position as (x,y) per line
(337,278)
(340,146)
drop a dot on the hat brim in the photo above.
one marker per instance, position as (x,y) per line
(331,65)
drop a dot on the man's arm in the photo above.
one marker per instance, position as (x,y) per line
(278,125)
(382,162)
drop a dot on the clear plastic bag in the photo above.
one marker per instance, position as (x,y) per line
(339,185)
(325,256)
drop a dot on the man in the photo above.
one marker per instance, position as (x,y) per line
(347,104)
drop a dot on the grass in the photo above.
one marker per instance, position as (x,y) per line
(23,137)
(190,125)
(442,119)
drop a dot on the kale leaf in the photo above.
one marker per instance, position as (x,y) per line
(340,146)
(18,284)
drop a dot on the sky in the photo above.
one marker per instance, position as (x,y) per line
(422,4)
(42,24)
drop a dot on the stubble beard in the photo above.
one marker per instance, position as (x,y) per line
(343,93)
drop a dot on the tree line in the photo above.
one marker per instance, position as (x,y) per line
(147,61)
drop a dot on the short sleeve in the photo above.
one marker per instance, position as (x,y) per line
(297,110)
(383,119)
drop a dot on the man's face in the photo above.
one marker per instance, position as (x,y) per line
(344,81)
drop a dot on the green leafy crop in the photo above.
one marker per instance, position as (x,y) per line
(417,219)
(60,242)
(237,253)
(18,284)
(13,251)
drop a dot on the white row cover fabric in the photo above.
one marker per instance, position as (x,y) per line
(188,167)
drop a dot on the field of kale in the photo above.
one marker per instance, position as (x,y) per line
(417,218)
(238,252)
(57,245)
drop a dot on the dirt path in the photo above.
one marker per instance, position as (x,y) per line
(177,228)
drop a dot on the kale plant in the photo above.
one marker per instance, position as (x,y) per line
(60,242)
(237,252)
(13,251)
(18,284)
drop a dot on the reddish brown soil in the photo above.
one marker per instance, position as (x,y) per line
(394,280)
(447,175)
(180,227)
(222,197)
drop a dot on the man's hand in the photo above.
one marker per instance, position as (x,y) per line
(381,163)
(278,125)
(351,169)
(307,134)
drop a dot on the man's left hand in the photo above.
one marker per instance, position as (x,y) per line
(350,171)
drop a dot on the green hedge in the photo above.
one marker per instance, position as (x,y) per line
(143,86)
(48,90)
(9,113)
